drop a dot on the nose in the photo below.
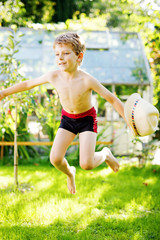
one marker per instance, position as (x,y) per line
(61,56)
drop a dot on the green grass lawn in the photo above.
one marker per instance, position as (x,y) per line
(108,206)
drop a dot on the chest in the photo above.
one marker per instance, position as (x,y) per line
(71,89)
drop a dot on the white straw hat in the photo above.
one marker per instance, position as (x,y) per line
(141,115)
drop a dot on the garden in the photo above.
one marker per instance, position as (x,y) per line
(35,202)
(106,205)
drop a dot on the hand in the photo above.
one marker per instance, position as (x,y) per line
(1,95)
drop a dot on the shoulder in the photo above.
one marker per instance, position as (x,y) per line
(90,80)
(85,74)
(88,77)
(52,75)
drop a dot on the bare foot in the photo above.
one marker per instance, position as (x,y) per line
(111,161)
(71,181)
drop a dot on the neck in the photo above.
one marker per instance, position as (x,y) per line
(70,75)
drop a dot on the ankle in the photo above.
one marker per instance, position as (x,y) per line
(70,171)
(106,153)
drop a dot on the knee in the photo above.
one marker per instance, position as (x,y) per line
(86,165)
(55,160)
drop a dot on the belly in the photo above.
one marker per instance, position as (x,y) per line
(76,104)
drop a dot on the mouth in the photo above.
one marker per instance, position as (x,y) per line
(62,63)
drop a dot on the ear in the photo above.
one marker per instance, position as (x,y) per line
(80,57)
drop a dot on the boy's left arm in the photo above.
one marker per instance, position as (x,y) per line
(110,97)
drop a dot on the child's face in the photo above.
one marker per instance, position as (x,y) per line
(66,58)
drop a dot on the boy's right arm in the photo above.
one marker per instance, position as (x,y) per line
(26,85)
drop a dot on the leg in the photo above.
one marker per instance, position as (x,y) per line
(89,158)
(61,142)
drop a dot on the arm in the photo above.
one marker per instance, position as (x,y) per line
(26,85)
(110,97)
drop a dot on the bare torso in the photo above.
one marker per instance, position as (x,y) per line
(74,93)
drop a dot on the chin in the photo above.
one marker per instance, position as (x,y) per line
(62,68)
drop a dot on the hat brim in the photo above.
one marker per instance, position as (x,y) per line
(141,116)
(129,105)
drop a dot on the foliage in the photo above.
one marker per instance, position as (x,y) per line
(107,206)
(10,72)
(63,10)
(11,11)
(40,11)
(86,23)
(147,152)
(48,114)
(101,105)
(118,13)
(153,44)
(125,90)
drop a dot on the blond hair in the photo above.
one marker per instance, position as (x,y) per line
(73,39)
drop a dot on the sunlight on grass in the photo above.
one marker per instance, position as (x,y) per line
(5,181)
(107,206)
(104,172)
(152,180)
(134,209)
(43,184)
(55,208)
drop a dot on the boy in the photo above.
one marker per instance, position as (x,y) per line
(74,88)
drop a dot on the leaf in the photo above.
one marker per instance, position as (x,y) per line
(11,43)
(21,35)
(33,101)
(16,51)
(17,43)
(11,36)
(146,184)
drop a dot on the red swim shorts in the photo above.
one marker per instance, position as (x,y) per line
(77,123)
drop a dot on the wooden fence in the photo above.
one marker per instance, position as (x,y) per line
(2,144)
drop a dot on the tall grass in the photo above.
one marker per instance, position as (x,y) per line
(107,206)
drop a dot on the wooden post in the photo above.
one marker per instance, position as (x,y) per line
(2,148)
(15,153)
(112,117)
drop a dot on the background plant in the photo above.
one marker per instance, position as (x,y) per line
(147,151)
(10,75)
(48,113)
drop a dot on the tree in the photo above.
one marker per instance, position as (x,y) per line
(40,11)
(64,10)
(14,114)
(11,11)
